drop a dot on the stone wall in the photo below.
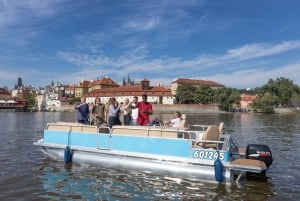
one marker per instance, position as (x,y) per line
(185,108)
(284,110)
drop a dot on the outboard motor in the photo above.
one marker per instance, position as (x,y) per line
(259,152)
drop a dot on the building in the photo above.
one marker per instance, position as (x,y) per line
(128,81)
(246,100)
(9,103)
(105,82)
(82,88)
(195,82)
(69,91)
(156,94)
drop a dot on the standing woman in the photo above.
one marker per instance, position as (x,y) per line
(83,111)
(98,112)
(113,113)
(107,104)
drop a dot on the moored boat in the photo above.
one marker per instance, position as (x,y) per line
(198,152)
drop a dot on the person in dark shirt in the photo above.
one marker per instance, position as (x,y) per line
(98,112)
(83,111)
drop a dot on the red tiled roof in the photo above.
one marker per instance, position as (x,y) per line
(195,81)
(4,94)
(246,97)
(103,81)
(84,83)
(135,90)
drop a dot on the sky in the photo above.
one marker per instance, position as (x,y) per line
(240,44)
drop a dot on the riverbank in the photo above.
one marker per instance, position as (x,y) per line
(165,108)
(286,110)
(183,108)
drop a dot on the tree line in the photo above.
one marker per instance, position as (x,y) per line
(281,92)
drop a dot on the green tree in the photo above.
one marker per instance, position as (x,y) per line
(226,97)
(295,99)
(30,101)
(185,94)
(281,90)
(204,94)
(265,103)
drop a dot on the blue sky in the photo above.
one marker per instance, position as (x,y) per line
(240,44)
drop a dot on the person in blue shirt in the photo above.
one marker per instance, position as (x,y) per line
(113,113)
(83,111)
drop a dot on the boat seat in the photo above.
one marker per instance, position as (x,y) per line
(221,127)
(130,130)
(55,127)
(73,127)
(150,131)
(183,122)
(210,134)
(85,129)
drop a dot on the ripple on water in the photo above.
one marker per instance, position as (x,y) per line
(25,174)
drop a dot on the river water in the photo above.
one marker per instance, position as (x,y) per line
(25,174)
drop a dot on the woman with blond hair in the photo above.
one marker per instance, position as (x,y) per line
(106,109)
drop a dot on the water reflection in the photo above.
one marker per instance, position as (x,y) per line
(93,183)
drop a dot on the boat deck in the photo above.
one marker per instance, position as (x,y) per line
(244,163)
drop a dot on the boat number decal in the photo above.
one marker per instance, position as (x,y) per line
(212,155)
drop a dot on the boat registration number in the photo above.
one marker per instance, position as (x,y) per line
(212,155)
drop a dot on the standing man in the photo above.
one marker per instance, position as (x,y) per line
(83,111)
(145,110)
(134,111)
(127,112)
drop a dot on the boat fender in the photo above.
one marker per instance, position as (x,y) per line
(67,155)
(218,170)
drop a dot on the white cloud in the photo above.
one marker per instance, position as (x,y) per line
(250,51)
(232,68)
(145,24)
(18,12)
(257,77)
(242,67)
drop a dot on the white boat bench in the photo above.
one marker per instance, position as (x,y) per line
(150,131)
(73,127)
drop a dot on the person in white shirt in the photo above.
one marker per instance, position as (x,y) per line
(134,110)
(175,122)
(126,112)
